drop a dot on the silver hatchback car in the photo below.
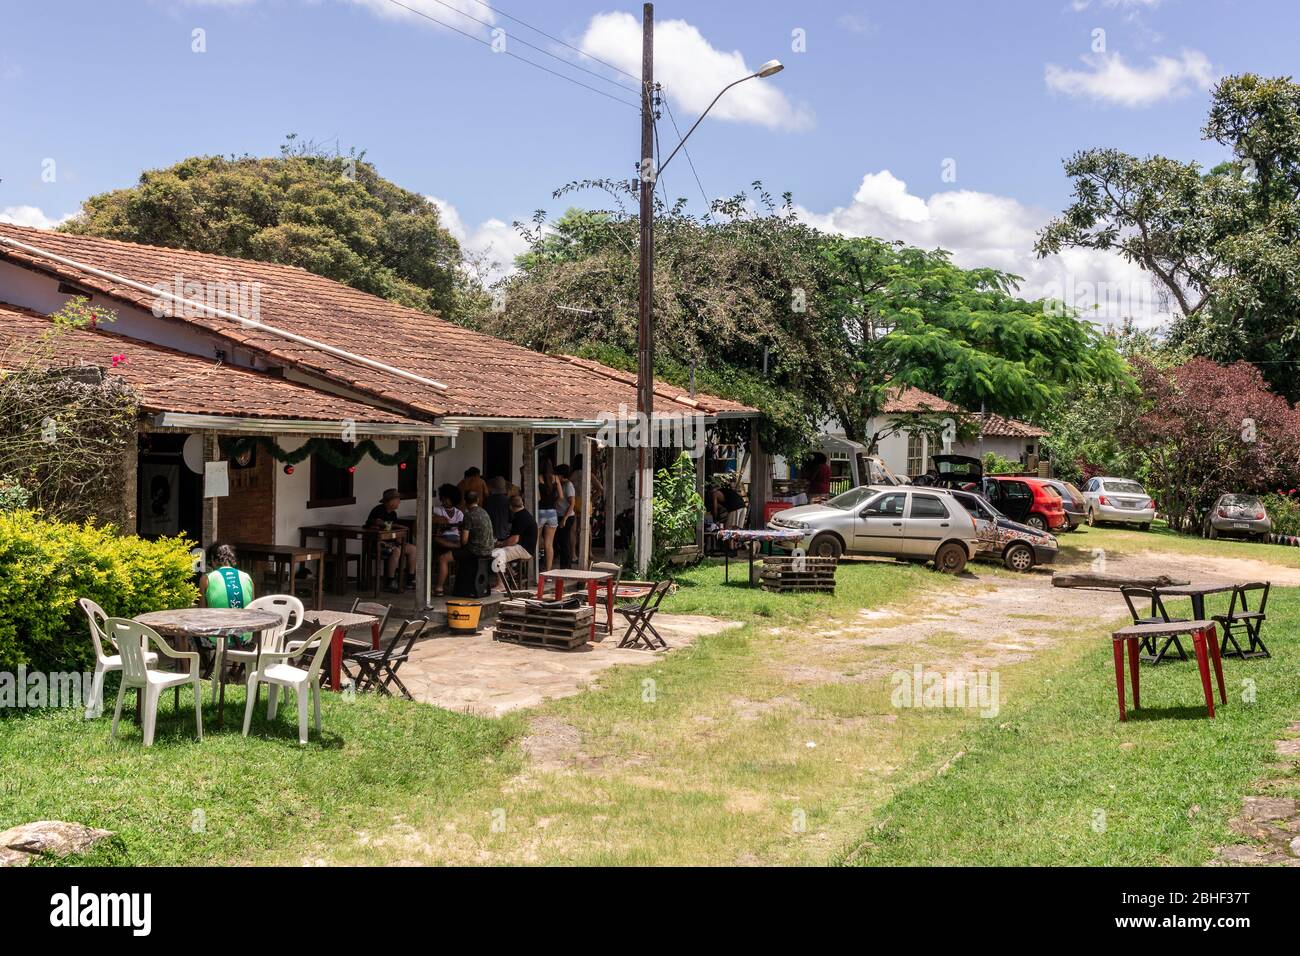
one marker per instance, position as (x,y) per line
(912,523)
(1238,515)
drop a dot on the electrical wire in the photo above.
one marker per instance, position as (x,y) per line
(553,39)
(534,46)
(708,204)
(487,43)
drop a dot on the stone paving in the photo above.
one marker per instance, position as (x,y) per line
(1273,823)
(481,676)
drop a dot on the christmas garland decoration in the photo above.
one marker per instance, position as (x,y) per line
(327,448)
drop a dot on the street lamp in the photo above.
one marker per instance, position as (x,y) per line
(645,332)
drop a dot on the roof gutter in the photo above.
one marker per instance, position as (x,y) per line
(298,426)
(223,314)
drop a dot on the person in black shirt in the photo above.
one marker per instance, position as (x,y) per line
(384,515)
(520,544)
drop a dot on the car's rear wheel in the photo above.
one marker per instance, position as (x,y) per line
(825,546)
(1092,518)
(1036,522)
(950,558)
(1018,557)
(1214,533)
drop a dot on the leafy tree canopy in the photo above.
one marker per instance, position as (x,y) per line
(804,325)
(332,215)
(1223,243)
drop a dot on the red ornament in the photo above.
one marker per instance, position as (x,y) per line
(352,469)
(288,469)
(401,466)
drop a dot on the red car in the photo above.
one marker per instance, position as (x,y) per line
(1027,500)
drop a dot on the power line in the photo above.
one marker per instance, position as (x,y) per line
(534,46)
(708,205)
(522,59)
(589,56)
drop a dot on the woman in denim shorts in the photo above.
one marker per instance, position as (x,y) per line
(548,516)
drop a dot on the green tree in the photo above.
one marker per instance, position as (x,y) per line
(332,215)
(907,315)
(1224,243)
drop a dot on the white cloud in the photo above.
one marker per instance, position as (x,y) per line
(30,216)
(1108,79)
(492,245)
(984,229)
(431,8)
(1080,5)
(693,71)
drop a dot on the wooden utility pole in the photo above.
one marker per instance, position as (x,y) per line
(645,333)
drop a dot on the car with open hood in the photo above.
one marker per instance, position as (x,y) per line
(899,521)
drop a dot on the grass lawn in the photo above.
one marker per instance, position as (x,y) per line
(230,799)
(1118,539)
(1057,779)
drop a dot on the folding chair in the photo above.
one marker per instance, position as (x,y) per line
(1251,621)
(640,615)
(1157,615)
(376,670)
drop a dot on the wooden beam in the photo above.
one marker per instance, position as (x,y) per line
(584,518)
(1114,581)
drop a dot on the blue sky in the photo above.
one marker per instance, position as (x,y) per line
(878,100)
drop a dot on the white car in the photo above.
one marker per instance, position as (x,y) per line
(1119,500)
(912,523)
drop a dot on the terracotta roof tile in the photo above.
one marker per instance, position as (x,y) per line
(711,404)
(486,376)
(172,381)
(999,427)
(905,399)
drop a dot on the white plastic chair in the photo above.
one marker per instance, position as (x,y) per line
(274,670)
(291,612)
(104,663)
(132,638)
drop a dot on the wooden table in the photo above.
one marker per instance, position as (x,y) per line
(286,554)
(594,580)
(217,623)
(337,536)
(1197,592)
(342,622)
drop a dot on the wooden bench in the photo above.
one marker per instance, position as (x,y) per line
(1203,638)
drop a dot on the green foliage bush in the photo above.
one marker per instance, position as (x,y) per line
(45,565)
(995,464)
(1284,510)
(12,495)
(676,512)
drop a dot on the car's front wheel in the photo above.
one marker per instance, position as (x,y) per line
(950,558)
(1036,522)
(825,546)
(1018,557)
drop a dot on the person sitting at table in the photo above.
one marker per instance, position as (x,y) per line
(521,542)
(451,535)
(384,516)
(726,503)
(224,585)
(497,505)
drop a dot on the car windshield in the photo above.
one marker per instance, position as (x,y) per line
(1242,501)
(851,498)
(1123,487)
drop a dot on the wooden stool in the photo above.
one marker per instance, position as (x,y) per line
(1207,649)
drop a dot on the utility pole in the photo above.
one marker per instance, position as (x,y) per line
(645,369)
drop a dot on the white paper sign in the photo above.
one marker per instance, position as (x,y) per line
(216,479)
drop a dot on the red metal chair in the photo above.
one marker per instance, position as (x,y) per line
(1203,638)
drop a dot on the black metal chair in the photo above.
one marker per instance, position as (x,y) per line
(377,670)
(1251,621)
(640,615)
(1158,615)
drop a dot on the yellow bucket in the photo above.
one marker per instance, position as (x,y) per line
(462,615)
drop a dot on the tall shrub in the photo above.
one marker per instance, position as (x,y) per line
(45,565)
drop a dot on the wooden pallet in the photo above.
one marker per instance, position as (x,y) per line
(778,574)
(519,623)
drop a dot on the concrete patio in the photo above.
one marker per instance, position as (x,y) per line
(481,676)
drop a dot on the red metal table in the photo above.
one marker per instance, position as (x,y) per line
(342,622)
(594,580)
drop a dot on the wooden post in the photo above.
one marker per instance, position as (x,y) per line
(758,478)
(423,518)
(699,488)
(528,481)
(611,500)
(584,541)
